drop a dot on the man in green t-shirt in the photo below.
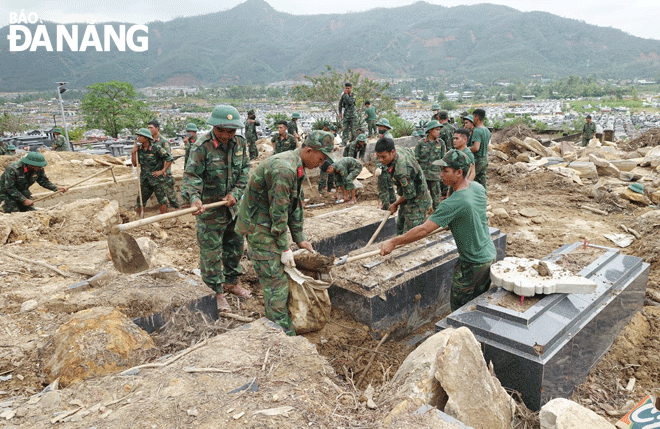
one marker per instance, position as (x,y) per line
(371,118)
(461,137)
(479,146)
(464,212)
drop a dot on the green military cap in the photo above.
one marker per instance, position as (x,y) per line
(469,118)
(384,122)
(361,138)
(191,127)
(436,106)
(455,159)
(11,147)
(588,116)
(322,141)
(250,112)
(146,133)
(443,114)
(415,133)
(636,187)
(432,124)
(464,114)
(34,158)
(296,115)
(57,130)
(224,116)
(327,163)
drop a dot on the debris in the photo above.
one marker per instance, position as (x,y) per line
(561,413)
(621,240)
(371,359)
(595,210)
(197,370)
(235,316)
(279,411)
(43,264)
(29,305)
(529,212)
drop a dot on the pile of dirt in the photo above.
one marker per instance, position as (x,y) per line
(520,131)
(649,138)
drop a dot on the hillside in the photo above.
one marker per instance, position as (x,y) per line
(253,43)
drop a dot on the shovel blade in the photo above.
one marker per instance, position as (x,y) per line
(126,254)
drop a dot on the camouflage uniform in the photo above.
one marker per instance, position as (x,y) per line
(385,188)
(408,177)
(292,128)
(284,144)
(15,185)
(60,145)
(326,181)
(152,159)
(4,148)
(251,137)
(188,147)
(370,113)
(355,151)
(588,130)
(272,202)
(168,178)
(349,118)
(346,171)
(447,136)
(214,171)
(426,152)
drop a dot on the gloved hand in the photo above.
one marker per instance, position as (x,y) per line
(378,172)
(287,258)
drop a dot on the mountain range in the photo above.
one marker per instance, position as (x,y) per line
(254,44)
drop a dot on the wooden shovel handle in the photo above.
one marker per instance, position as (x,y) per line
(152,219)
(382,224)
(75,184)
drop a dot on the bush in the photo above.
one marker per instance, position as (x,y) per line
(400,127)
(273,118)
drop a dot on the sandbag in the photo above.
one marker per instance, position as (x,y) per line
(309,303)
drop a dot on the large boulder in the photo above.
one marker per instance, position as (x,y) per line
(604,167)
(475,396)
(561,413)
(587,170)
(652,158)
(96,341)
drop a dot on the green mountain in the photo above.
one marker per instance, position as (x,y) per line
(255,44)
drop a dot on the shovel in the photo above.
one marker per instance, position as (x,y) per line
(124,250)
(382,224)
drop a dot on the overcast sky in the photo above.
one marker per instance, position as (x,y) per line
(637,17)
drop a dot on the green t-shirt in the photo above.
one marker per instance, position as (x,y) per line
(465,214)
(371,113)
(481,135)
(469,153)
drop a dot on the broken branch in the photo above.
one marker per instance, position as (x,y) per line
(43,264)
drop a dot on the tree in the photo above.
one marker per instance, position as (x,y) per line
(327,88)
(112,106)
(12,124)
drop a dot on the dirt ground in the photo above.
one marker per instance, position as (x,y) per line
(61,237)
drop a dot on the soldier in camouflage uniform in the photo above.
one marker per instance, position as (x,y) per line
(464,212)
(357,149)
(59,144)
(407,175)
(429,149)
(154,162)
(345,171)
(189,141)
(436,112)
(4,148)
(17,178)
(272,202)
(386,193)
(11,149)
(447,131)
(588,130)
(371,118)
(347,114)
(168,179)
(479,140)
(218,171)
(251,134)
(292,126)
(283,141)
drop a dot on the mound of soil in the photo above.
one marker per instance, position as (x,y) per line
(520,131)
(649,138)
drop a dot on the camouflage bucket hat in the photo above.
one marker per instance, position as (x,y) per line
(34,158)
(361,138)
(455,159)
(191,127)
(11,147)
(384,122)
(225,116)
(145,133)
(295,116)
(322,141)
(469,118)
(435,107)
(636,187)
(57,130)
(432,124)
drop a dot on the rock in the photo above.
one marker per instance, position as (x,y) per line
(568,152)
(655,197)
(8,414)
(475,396)
(529,212)
(626,164)
(50,399)
(29,305)
(108,216)
(148,248)
(88,162)
(639,172)
(561,413)
(603,167)
(634,196)
(501,155)
(652,158)
(626,176)
(523,157)
(594,142)
(574,175)
(76,162)
(97,341)
(610,144)
(537,147)
(5,230)
(500,212)
(21,412)
(587,170)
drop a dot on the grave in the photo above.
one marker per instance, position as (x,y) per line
(546,348)
(399,293)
